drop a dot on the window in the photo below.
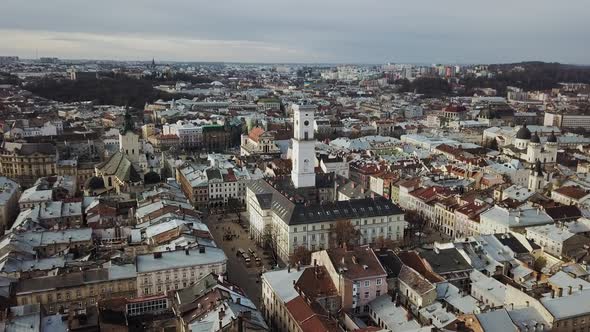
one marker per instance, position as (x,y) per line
(367,283)
(378,281)
(366,295)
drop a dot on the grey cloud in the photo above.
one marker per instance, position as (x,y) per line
(320,30)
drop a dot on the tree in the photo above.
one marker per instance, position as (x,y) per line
(300,256)
(493,144)
(382,242)
(270,239)
(540,264)
(416,222)
(344,233)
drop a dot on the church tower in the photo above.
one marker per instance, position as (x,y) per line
(129,140)
(303,155)
(536,179)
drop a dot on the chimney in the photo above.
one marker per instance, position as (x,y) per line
(186,252)
(288,268)
(240,323)
(559,292)
(580,287)
(569,292)
(553,293)
(527,303)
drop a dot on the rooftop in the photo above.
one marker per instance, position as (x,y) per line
(179,259)
(568,306)
(359,263)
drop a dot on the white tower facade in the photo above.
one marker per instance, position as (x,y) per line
(536,178)
(303,156)
(129,145)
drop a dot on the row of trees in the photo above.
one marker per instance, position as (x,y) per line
(430,86)
(121,91)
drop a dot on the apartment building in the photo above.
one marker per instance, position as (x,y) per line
(357,274)
(311,225)
(77,290)
(26,162)
(161,272)
(9,196)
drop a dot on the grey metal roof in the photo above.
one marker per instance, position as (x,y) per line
(179,259)
(446,260)
(351,209)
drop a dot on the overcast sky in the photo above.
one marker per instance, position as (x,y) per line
(348,31)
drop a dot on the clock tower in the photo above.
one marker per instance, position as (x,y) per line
(303,156)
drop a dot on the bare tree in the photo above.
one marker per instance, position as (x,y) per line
(416,222)
(343,233)
(270,240)
(382,242)
(301,255)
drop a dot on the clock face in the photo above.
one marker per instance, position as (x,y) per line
(306,123)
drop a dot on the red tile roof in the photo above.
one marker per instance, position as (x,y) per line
(572,192)
(310,319)
(358,263)
(315,282)
(255,133)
